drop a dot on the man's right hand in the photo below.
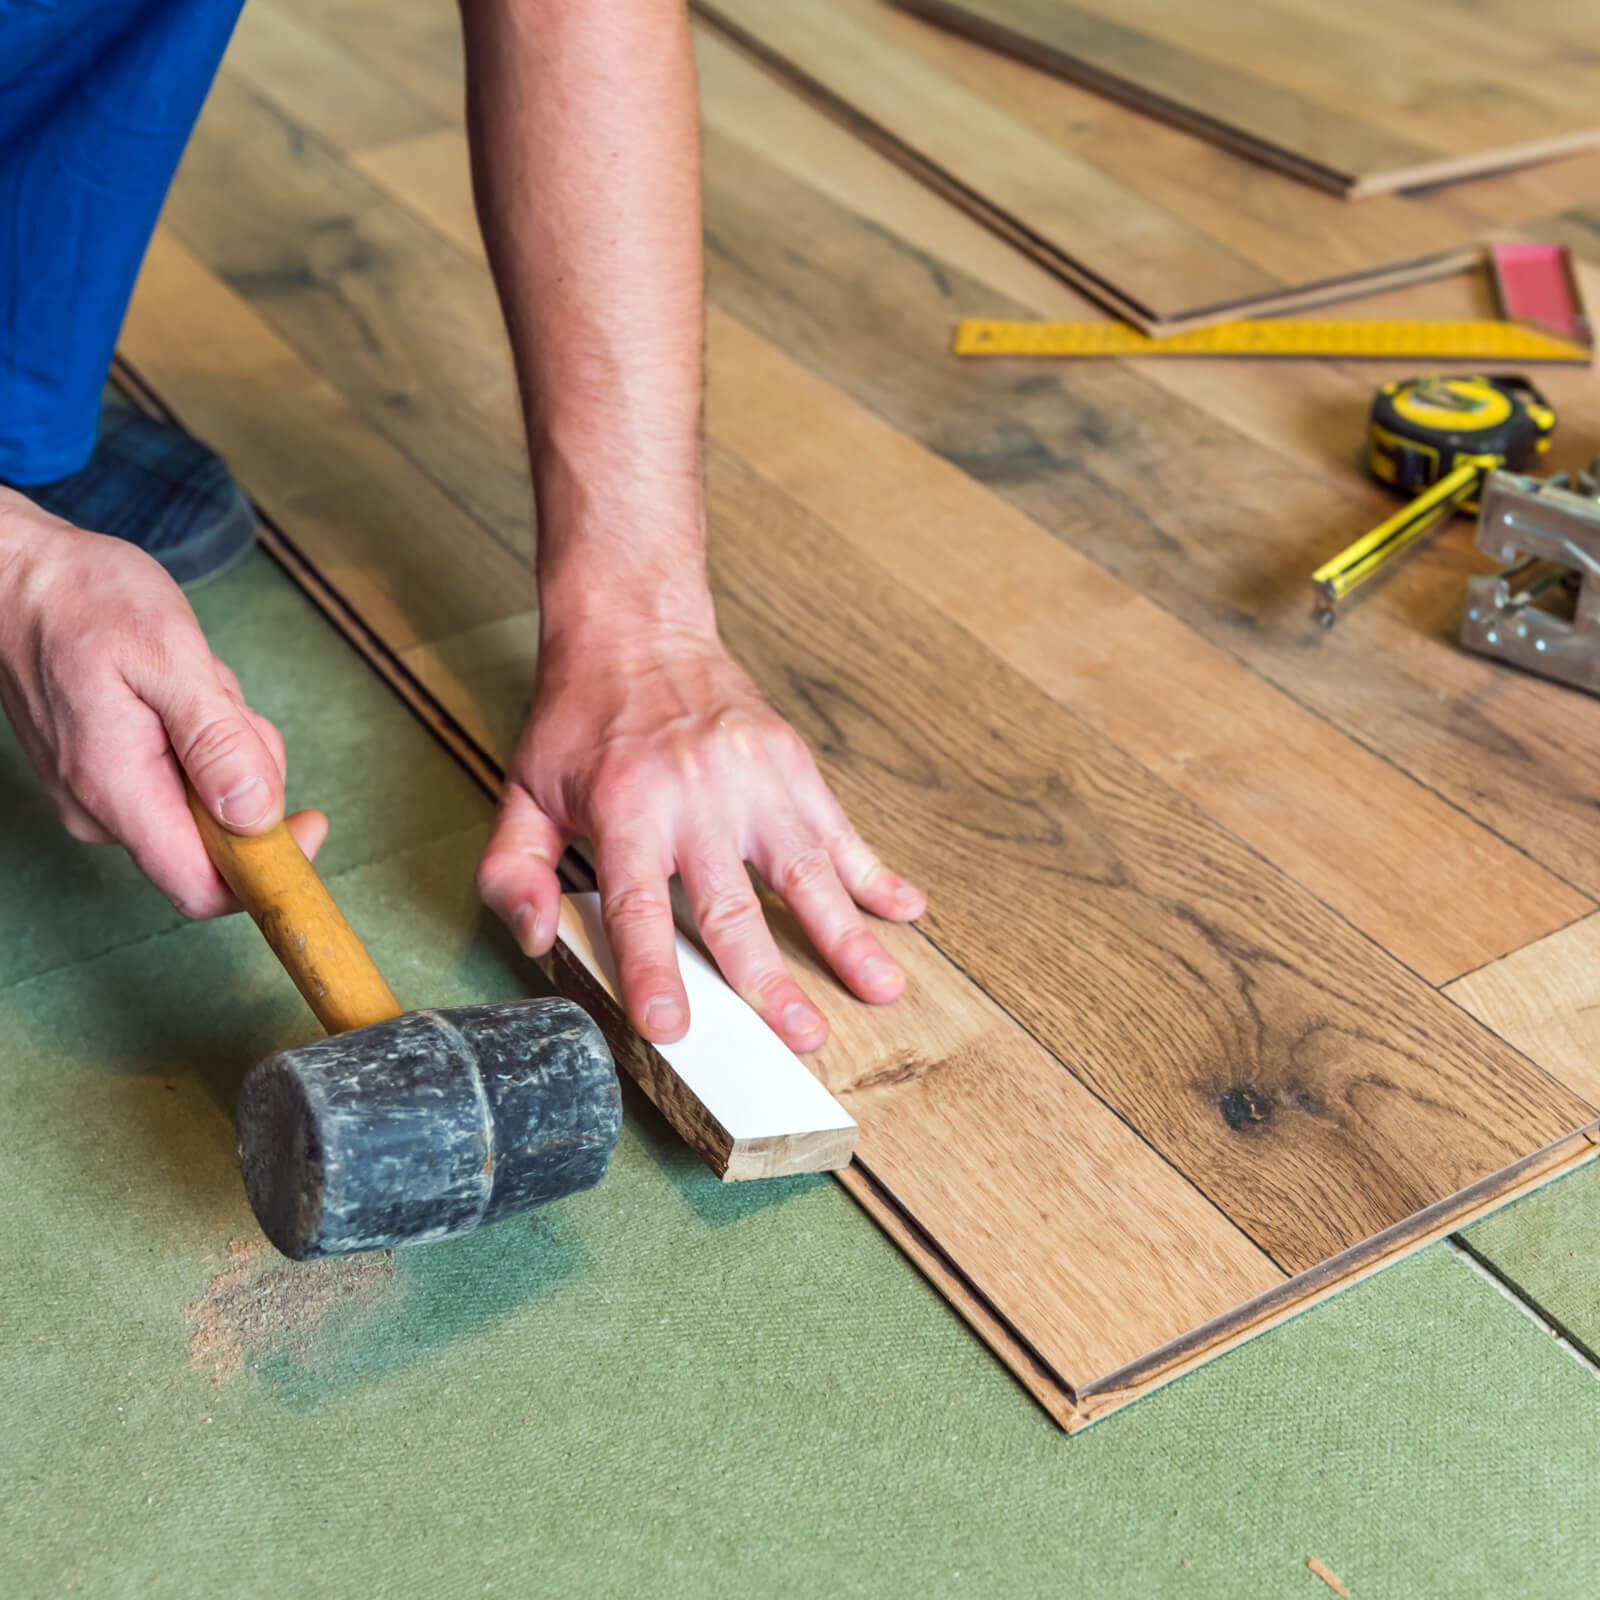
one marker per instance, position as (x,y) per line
(115,694)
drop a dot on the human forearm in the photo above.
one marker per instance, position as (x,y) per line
(585,166)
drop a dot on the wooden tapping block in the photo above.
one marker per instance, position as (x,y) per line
(740,1098)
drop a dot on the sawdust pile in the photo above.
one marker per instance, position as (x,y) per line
(246,1311)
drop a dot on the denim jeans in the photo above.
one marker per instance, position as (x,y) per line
(97,100)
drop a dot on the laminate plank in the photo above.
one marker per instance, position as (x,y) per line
(1183,506)
(1311,1086)
(1356,114)
(877,69)
(368,518)
(1435,89)
(1379,848)
(986,152)
(1249,114)
(319,85)
(359,286)
(1545,1000)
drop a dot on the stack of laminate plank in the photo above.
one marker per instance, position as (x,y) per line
(1174,229)
(1210,1011)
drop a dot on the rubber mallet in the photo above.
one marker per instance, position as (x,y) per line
(401,1127)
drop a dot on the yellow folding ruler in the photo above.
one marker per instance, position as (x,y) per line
(1376,341)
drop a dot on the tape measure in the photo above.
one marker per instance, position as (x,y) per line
(1436,438)
(1350,341)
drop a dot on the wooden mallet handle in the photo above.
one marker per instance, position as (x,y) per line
(291,905)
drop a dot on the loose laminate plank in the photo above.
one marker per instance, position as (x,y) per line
(885,73)
(1353,113)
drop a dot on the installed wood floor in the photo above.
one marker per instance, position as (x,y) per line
(1178,1057)
(1362,98)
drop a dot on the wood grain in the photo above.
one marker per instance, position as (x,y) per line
(368,518)
(1545,1000)
(1218,528)
(1297,89)
(1308,1084)
(1385,852)
(1136,234)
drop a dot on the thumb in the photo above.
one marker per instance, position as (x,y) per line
(237,777)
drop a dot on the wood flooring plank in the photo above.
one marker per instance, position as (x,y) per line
(1545,1000)
(1307,1083)
(319,85)
(987,153)
(1254,115)
(360,509)
(1435,89)
(1175,500)
(809,44)
(1379,848)
(1354,113)
(359,287)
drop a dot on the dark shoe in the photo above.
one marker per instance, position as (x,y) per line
(149,483)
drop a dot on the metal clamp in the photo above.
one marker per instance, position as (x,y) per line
(1540,611)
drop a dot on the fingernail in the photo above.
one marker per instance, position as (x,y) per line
(877,971)
(907,896)
(663,1015)
(799,1019)
(245,803)
(527,929)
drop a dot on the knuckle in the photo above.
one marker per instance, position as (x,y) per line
(805,874)
(729,916)
(634,907)
(218,739)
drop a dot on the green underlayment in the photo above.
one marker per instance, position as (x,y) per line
(665,1385)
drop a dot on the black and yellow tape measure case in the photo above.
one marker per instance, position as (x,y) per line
(1424,428)
(1435,439)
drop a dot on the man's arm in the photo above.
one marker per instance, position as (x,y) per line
(644,736)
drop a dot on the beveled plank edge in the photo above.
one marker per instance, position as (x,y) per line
(1015,1353)
(1310,1288)
(1124,91)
